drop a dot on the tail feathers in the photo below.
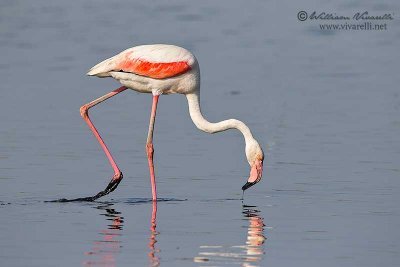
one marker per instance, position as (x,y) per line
(102,69)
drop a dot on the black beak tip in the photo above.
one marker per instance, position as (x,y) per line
(247,185)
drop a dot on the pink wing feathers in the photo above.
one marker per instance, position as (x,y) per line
(154,61)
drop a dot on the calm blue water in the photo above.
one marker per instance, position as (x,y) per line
(325,106)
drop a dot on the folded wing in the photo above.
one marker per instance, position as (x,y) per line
(154,61)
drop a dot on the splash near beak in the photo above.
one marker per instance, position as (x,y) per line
(255,174)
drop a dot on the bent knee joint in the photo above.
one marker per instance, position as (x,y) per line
(84,111)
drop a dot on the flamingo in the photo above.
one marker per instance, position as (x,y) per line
(162,69)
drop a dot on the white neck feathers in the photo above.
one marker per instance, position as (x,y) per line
(209,127)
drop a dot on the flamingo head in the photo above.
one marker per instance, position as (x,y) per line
(255,157)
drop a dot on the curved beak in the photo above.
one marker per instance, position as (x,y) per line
(247,185)
(255,174)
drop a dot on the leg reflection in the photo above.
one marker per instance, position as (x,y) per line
(104,250)
(154,260)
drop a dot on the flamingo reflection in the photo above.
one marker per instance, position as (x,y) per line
(248,255)
(104,250)
(254,248)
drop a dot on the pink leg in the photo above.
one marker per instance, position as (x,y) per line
(117,173)
(150,149)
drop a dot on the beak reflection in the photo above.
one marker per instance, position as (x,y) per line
(248,253)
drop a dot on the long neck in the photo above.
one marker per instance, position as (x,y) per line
(209,127)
